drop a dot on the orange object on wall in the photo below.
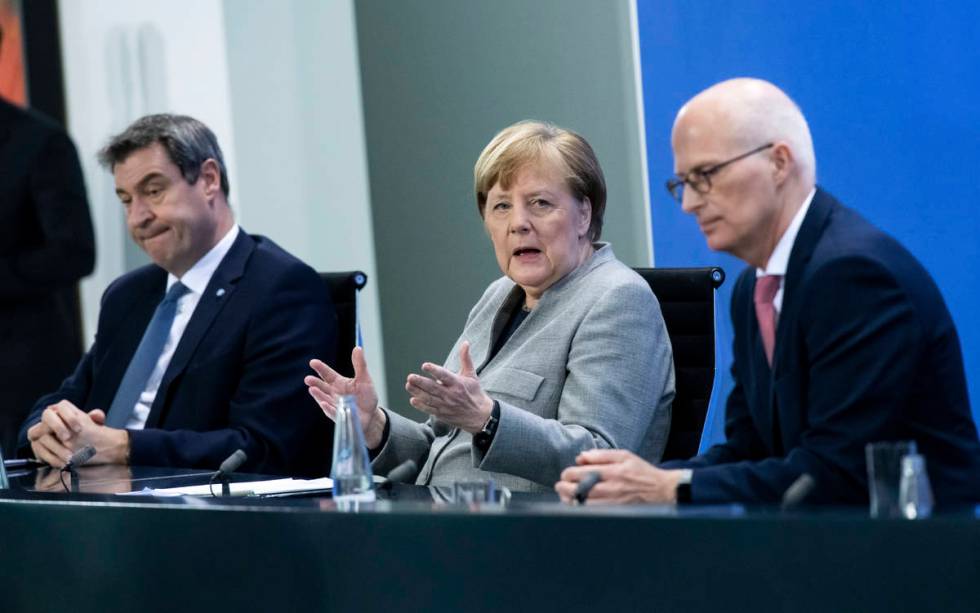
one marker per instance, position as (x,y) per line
(13,82)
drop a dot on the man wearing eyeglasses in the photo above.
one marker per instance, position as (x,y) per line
(841,337)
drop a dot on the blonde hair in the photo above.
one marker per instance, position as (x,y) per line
(529,142)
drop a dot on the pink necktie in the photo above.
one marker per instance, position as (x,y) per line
(765,290)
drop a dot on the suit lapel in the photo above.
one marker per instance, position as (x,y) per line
(217,294)
(511,301)
(803,247)
(554,296)
(806,242)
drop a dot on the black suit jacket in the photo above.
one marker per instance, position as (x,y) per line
(46,246)
(236,378)
(865,351)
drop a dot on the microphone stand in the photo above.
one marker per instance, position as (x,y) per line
(78,458)
(221,477)
(230,465)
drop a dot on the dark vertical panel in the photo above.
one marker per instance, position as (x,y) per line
(42,48)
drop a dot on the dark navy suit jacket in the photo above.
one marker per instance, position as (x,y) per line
(865,351)
(236,378)
(46,246)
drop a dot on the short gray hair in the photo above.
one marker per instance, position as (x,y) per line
(188,142)
(757,112)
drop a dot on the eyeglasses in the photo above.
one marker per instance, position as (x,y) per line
(700,178)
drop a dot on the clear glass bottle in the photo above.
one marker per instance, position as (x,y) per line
(351,471)
(4,482)
(915,493)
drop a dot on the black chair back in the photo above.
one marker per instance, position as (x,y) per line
(343,288)
(687,301)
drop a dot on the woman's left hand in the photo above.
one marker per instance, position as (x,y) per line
(454,398)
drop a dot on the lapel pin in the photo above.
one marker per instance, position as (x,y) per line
(220,292)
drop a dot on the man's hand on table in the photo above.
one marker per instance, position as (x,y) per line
(624,478)
(64,429)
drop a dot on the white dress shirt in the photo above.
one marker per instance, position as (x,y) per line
(196,280)
(779,260)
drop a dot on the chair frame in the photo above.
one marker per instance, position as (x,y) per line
(687,299)
(344,288)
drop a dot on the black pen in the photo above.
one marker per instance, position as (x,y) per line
(585,486)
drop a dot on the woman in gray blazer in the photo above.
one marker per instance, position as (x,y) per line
(566,352)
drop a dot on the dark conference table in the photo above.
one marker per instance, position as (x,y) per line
(100,552)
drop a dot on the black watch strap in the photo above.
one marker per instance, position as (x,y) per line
(683,493)
(484,437)
(683,490)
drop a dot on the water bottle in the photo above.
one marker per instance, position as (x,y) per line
(351,471)
(4,482)
(914,493)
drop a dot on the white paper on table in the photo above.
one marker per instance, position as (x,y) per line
(245,488)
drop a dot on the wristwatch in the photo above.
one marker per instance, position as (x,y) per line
(484,437)
(683,491)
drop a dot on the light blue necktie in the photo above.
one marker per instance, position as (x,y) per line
(145,359)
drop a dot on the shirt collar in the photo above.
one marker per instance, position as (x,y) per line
(197,278)
(779,260)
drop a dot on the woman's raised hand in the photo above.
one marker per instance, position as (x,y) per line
(329,384)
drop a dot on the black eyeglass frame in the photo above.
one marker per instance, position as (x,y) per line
(702,181)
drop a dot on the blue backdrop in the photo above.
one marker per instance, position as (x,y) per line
(892,95)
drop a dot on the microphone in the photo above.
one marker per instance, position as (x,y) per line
(401,474)
(75,460)
(230,465)
(585,486)
(80,457)
(797,492)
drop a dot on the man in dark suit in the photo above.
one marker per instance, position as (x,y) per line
(841,337)
(202,352)
(46,246)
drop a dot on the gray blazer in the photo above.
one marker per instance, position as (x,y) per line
(591,366)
